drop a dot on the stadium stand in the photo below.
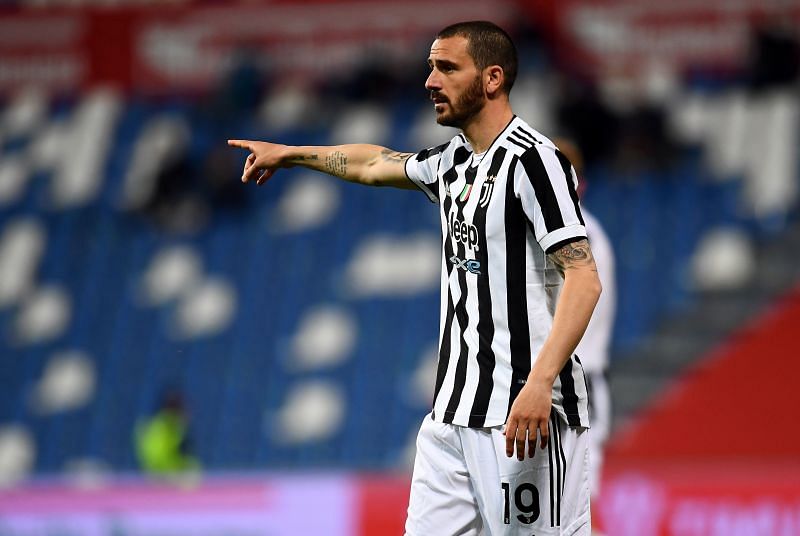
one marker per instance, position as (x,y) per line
(131,259)
(307,302)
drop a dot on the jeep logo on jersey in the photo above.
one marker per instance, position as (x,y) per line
(468,265)
(463,232)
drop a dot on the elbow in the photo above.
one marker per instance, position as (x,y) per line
(368,179)
(366,176)
(586,283)
(594,287)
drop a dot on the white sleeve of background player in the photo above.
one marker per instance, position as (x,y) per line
(546,185)
(421,169)
(595,345)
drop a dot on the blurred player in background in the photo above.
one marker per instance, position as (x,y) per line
(162,441)
(514,242)
(595,345)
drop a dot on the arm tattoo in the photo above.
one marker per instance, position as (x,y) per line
(308,158)
(573,254)
(394,156)
(336,164)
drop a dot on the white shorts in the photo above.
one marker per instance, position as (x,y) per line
(464,484)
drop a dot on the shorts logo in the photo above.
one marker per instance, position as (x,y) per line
(468,265)
(463,232)
(486,190)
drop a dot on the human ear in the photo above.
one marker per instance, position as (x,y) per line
(493,79)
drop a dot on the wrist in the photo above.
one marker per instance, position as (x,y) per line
(290,154)
(542,377)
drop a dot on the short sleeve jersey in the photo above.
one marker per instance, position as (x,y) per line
(501,212)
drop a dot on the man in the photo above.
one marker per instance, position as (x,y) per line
(596,342)
(512,232)
(162,441)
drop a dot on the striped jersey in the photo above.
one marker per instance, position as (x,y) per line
(501,212)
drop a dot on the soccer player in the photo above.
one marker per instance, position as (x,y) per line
(505,448)
(596,342)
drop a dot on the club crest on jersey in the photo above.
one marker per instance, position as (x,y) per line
(486,190)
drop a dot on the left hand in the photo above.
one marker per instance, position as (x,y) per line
(529,412)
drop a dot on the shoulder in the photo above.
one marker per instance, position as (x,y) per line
(526,143)
(440,150)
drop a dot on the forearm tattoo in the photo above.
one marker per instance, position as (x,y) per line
(336,164)
(394,156)
(306,158)
(573,255)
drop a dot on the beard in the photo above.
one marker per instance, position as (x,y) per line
(466,106)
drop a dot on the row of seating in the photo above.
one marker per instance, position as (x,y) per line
(269,313)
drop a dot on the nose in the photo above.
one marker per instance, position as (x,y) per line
(433,83)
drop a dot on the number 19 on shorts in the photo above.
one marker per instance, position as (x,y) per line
(526,501)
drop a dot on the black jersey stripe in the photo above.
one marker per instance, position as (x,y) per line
(563,460)
(524,136)
(521,138)
(573,194)
(433,151)
(460,311)
(517,302)
(485,357)
(529,134)
(570,397)
(556,437)
(447,248)
(461,365)
(525,141)
(460,156)
(543,189)
(444,347)
(519,143)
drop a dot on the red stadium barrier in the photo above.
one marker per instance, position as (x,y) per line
(719,452)
(186,47)
(700,499)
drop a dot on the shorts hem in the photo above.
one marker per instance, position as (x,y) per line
(584,521)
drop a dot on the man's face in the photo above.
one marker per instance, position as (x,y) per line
(455,82)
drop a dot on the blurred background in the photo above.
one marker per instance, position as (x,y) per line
(181,354)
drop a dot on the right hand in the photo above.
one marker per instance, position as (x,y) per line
(265,158)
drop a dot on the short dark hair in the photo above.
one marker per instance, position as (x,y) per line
(487,44)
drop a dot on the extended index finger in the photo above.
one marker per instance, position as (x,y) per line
(244,144)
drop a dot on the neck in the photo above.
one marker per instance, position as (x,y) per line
(484,128)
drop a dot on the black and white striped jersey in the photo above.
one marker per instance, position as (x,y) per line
(502,211)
